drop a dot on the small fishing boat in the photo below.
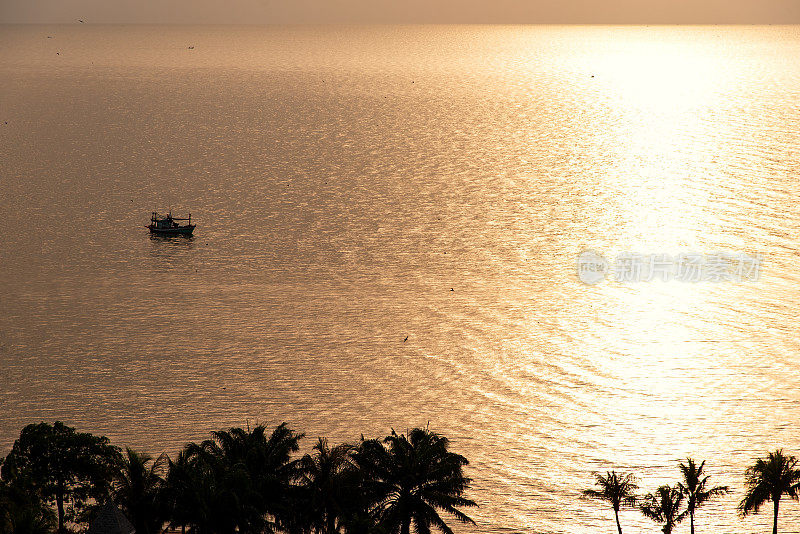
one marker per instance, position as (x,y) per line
(168,225)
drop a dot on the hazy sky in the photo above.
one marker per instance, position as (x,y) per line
(402,11)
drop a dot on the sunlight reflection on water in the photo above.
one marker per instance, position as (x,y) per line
(353,186)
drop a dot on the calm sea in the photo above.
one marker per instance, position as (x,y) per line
(356,185)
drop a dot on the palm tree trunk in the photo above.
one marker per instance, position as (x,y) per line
(775,517)
(691,520)
(60,506)
(406,527)
(616,516)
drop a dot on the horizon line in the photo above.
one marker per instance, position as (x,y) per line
(385,23)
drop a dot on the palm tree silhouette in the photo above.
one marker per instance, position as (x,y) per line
(664,506)
(695,487)
(618,490)
(200,494)
(768,480)
(240,481)
(410,478)
(330,480)
(175,491)
(258,470)
(137,490)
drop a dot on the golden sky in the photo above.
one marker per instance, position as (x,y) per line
(403,11)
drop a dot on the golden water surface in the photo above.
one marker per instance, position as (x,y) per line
(356,185)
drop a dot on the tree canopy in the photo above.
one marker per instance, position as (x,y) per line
(62,466)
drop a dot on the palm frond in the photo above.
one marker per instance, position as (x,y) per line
(768,479)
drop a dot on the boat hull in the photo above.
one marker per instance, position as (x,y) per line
(181,230)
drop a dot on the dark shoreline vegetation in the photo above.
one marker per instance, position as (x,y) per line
(239,481)
(57,480)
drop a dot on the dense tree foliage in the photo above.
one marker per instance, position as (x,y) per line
(237,482)
(62,466)
(23,512)
(253,481)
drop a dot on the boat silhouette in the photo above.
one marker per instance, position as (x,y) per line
(168,225)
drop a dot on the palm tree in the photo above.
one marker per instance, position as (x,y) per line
(266,466)
(329,478)
(695,487)
(410,478)
(137,490)
(619,490)
(664,506)
(238,481)
(202,494)
(768,480)
(176,489)
(230,456)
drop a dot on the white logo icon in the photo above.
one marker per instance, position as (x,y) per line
(592,267)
